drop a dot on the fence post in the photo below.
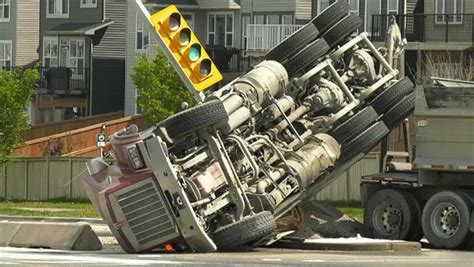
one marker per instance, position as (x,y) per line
(70,177)
(26,178)
(446,19)
(5,181)
(47,177)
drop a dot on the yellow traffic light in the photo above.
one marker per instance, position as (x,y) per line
(185,48)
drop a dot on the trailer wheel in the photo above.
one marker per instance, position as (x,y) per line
(400,111)
(364,142)
(354,124)
(445,220)
(250,228)
(331,15)
(387,215)
(343,29)
(198,117)
(392,95)
(306,57)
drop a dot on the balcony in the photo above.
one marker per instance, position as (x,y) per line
(263,37)
(424,28)
(64,81)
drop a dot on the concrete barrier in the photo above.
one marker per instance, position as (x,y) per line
(68,236)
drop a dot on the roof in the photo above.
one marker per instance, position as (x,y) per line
(79,28)
(177,2)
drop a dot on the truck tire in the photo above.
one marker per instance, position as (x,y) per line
(293,43)
(309,32)
(416,232)
(392,95)
(198,117)
(343,29)
(331,15)
(445,220)
(388,215)
(354,124)
(250,228)
(306,57)
(399,111)
(363,143)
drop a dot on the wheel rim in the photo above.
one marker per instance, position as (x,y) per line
(445,220)
(387,218)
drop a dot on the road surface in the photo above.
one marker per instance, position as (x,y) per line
(113,255)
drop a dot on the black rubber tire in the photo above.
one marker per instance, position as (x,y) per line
(416,232)
(306,57)
(400,111)
(364,142)
(250,228)
(392,95)
(354,125)
(383,200)
(343,29)
(198,117)
(293,43)
(331,15)
(462,235)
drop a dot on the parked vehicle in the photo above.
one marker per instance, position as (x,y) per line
(220,174)
(433,197)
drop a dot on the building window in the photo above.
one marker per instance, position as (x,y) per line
(221,29)
(273,19)
(286,19)
(392,7)
(50,51)
(354,7)
(5,54)
(450,10)
(322,5)
(245,31)
(189,18)
(72,55)
(57,8)
(88,3)
(4,10)
(142,36)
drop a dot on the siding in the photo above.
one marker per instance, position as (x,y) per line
(274,6)
(113,42)
(303,10)
(27,31)
(246,6)
(218,4)
(8,30)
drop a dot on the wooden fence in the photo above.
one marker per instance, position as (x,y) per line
(47,129)
(35,178)
(79,142)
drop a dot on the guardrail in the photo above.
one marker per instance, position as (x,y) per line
(64,80)
(267,36)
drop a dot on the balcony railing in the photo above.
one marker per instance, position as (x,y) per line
(266,36)
(444,28)
(228,59)
(64,81)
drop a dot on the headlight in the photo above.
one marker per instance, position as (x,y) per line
(135,158)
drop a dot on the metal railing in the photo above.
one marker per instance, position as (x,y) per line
(267,36)
(427,27)
(64,80)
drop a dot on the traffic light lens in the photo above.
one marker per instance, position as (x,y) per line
(175,21)
(205,68)
(195,52)
(184,37)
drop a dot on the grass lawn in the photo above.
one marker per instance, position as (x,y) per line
(84,209)
(49,208)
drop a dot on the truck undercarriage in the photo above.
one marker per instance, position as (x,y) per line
(218,175)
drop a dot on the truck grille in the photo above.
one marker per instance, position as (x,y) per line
(146,213)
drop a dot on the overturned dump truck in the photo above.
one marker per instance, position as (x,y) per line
(433,194)
(221,174)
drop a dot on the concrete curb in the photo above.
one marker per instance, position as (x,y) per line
(350,246)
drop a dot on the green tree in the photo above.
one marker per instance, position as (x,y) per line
(160,89)
(16,90)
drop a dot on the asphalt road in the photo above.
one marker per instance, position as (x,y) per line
(113,255)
